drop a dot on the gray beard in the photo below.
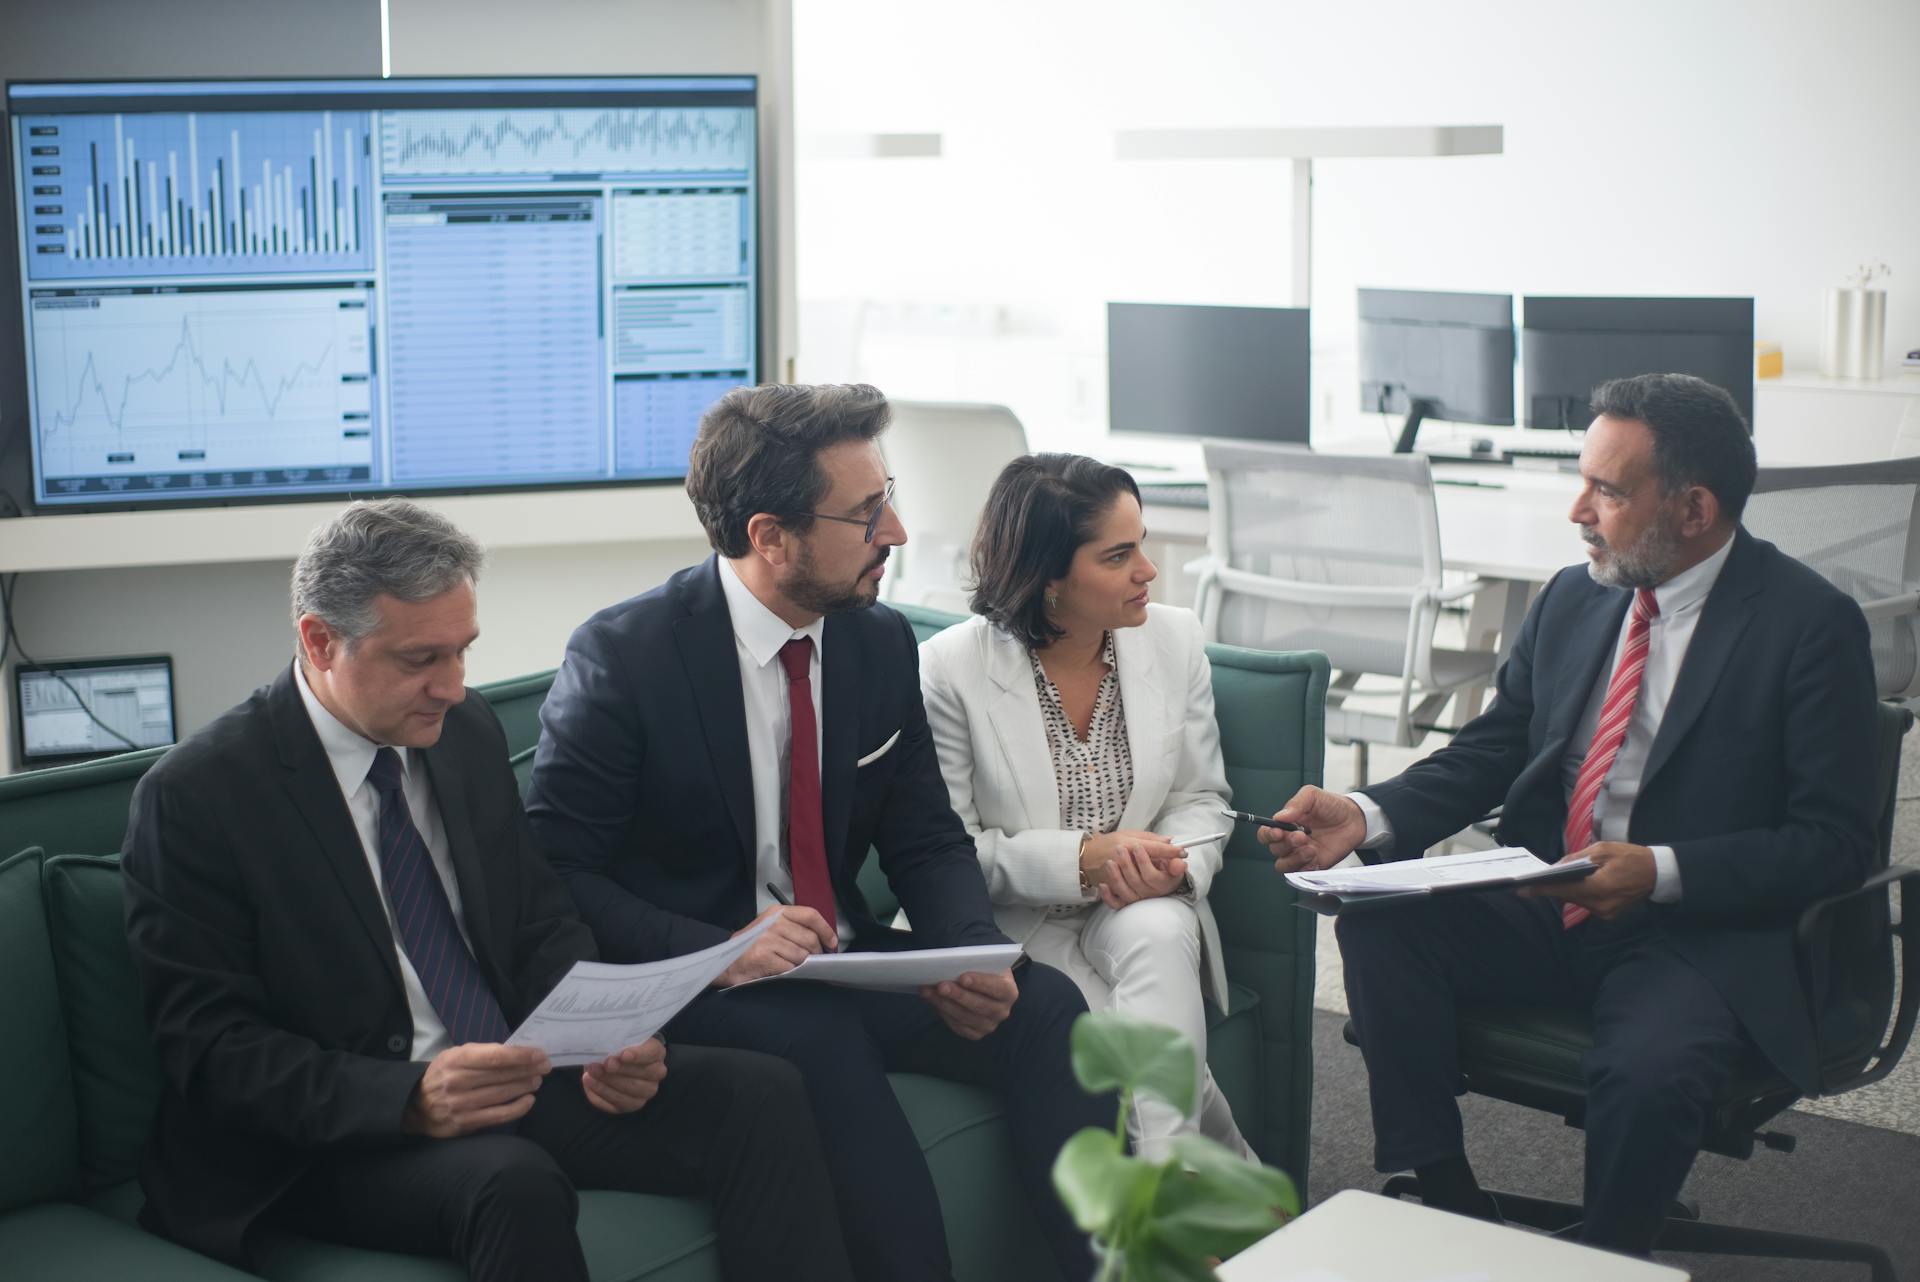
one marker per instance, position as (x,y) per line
(1646,563)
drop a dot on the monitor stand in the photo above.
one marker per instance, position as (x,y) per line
(1417,411)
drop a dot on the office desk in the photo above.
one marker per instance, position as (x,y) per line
(1362,1237)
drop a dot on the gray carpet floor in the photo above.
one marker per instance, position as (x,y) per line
(1844,1179)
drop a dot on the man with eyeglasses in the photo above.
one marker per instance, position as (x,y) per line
(730,745)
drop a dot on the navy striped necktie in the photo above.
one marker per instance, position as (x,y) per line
(447,970)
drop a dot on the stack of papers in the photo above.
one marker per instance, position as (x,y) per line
(899,972)
(599,1008)
(1334,890)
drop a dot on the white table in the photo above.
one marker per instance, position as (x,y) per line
(1362,1237)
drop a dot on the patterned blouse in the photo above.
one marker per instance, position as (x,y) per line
(1095,777)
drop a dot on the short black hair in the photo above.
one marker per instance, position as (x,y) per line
(1041,509)
(1699,436)
(758,451)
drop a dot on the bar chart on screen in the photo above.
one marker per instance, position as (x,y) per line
(179,387)
(173,193)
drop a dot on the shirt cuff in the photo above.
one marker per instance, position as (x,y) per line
(1379,827)
(1666,875)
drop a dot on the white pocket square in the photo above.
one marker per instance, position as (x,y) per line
(879,752)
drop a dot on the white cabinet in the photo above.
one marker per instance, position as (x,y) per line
(1807,419)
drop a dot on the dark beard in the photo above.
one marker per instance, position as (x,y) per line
(816,596)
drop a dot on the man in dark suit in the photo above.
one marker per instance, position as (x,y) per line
(338,912)
(1693,711)
(730,745)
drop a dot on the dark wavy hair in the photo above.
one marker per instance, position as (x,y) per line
(1041,509)
(758,451)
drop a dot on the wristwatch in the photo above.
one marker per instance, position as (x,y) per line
(1087,890)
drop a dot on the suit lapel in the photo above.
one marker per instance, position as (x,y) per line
(456,818)
(705,639)
(316,795)
(841,663)
(1145,706)
(1723,620)
(1014,711)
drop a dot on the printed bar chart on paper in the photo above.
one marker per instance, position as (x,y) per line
(171,387)
(570,142)
(159,194)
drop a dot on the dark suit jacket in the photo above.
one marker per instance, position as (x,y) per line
(642,791)
(1760,775)
(267,965)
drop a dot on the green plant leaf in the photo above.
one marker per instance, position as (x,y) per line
(1115,1052)
(1098,1182)
(1215,1203)
(1154,1260)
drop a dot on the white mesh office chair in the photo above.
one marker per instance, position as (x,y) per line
(1338,553)
(1854,523)
(944,456)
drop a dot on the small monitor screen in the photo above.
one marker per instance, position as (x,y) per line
(92,708)
(1208,371)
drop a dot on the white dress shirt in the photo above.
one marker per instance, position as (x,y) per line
(758,634)
(351,757)
(1680,600)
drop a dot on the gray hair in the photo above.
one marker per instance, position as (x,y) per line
(385,547)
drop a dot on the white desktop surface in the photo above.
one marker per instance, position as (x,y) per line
(1356,1236)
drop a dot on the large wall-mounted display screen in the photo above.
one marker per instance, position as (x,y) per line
(283,288)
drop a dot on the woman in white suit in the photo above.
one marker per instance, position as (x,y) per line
(1074,724)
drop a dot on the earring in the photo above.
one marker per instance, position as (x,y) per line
(1053,600)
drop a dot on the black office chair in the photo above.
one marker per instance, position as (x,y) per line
(1845,945)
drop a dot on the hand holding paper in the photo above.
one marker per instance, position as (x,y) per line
(600,1009)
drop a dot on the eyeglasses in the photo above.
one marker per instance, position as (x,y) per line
(869,524)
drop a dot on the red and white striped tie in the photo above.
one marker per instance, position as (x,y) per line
(1622,693)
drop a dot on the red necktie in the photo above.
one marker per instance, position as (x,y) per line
(1622,693)
(806,837)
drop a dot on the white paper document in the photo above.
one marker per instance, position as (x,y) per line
(901,972)
(600,1008)
(1498,867)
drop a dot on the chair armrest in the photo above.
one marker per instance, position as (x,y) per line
(1459,590)
(1907,931)
(1299,592)
(1891,607)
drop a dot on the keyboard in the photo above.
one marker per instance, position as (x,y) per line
(1570,451)
(1174,495)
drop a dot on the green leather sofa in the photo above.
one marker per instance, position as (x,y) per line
(78,1089)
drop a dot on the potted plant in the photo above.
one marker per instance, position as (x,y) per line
(1164,1221)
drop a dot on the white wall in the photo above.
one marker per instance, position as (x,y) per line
(1759,147)
(227,627)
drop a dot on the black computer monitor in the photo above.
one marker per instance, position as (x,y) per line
(1433,354)
(1180,370)
(1569,346)
(78,709)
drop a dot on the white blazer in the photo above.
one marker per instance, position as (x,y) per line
(987,728)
